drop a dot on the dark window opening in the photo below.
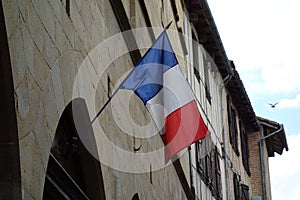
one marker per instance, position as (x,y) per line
(232,126)
(245,192)
(236,186)
(68,9)
(218,175)
(241,191)
(150,174)
(135,197)
(245,148)
(207,66)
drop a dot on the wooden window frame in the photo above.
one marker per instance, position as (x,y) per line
(208,167)
(232,126)
(245,192)
(236,186)
(196,64)
(218,175)
(207,62)
(244,148)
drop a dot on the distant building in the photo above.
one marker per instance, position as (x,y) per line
(52,68)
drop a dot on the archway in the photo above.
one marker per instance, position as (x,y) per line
(10,175)
(72,171)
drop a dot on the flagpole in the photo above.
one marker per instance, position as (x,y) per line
(168,25)
(104,105)
(115,92)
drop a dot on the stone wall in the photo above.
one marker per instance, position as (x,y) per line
(48,43)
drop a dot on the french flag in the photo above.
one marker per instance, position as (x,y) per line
(158,81)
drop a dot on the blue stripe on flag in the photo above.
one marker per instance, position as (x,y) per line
(146,79)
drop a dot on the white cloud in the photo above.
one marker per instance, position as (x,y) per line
(285,172)
(262,39)
(262,81)
(290,103)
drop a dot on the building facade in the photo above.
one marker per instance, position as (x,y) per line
(62,60)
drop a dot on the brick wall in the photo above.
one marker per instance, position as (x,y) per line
(255,165)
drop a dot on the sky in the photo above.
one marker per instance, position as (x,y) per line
(262,37)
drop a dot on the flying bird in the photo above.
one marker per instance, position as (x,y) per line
(273,105)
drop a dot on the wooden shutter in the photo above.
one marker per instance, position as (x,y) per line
(214,175)
(201,160)
(245,192)
(245,149)
(218,175)
(208,170)
(229,119)
(236,187)
(235,132)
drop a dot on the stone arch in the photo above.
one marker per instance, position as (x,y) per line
(72,171)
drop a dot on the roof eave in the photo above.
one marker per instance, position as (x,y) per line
(209,37)
(277,142)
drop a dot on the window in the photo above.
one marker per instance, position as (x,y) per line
(196,57)
(218,175)
(135,197)
(232,125)
(207,66)
(244,148)
(209,172)
(208,166)
(200,55)
(245,192)
(236,186)
(241,192)
(201,159)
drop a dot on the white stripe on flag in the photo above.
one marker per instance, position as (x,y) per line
(174,94)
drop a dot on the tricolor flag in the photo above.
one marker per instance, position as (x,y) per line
(158,81)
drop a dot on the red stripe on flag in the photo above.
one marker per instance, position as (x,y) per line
(184,127)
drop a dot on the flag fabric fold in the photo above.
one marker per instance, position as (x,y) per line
(158,81)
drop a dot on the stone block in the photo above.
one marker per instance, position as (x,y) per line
(63,20)
(27,98)
(17,54)
(46,15)
(61,39)
(58,89)
(50,107)
(33,166)
(42,132)
(69,64)
(40,36)
(39,69)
